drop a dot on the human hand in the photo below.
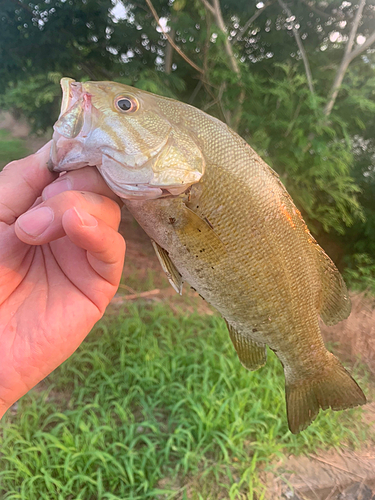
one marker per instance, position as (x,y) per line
(60,265)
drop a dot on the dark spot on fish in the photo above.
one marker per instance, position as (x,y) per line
(196,256)
(198,270)
(212,267)
(209,223)
(199,230)
(197,206)
(254,330)
(172,220)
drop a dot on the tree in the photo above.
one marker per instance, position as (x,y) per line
(295,78)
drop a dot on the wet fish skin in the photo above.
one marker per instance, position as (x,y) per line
(234,234)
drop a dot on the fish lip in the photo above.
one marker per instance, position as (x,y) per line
(72,156)
(72,91)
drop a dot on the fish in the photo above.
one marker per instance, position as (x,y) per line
(220,219)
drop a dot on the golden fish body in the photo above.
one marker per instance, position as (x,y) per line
(221,220)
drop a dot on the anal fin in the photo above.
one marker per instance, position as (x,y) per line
(252,354)
(174,277)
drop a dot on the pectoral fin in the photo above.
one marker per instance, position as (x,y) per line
(199,237)
(252,354)
(174,277)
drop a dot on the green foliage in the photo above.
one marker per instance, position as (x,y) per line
(308,153)
(360,273)
(10,149)
(46,97)
(157,83)
(155,404)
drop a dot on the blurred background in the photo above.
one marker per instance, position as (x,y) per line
(155,403)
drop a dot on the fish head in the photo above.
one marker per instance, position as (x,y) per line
(142,151)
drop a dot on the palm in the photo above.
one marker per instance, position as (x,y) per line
(53,293)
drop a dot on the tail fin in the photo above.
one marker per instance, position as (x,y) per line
(336,389)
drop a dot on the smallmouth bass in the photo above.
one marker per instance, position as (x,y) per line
(220,219)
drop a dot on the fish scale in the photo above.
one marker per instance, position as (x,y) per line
(220,219)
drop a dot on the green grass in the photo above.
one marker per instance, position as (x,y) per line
(10,149)
(156,406)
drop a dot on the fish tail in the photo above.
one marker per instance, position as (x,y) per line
(334,389)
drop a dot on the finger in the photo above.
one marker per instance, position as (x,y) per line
(4,407)
(21,182)
(105,246)
(83,179)
(43,223)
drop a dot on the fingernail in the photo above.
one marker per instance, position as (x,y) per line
(35,222)
(59,186)
(85,218)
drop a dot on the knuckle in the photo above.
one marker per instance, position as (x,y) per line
(117,212)
(72,197)
(9,166)
(7,214)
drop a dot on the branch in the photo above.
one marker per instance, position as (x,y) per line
(233,64)
(347,58)
(250,22)
(316,10)
(353,31)
(300,46)
(141,295)
(177,49)
(208,6)
(361,48)
(228,48)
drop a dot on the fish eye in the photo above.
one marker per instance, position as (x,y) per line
(126,104)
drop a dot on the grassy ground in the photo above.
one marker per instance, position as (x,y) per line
(10,148)
(155,405)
